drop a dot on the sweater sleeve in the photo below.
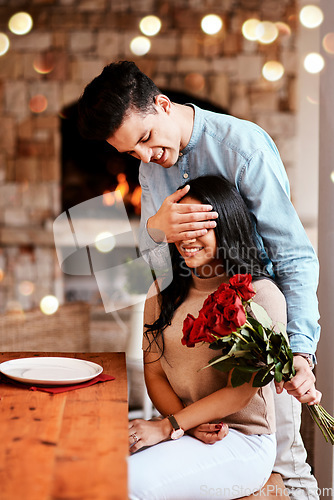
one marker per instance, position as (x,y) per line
(269,296)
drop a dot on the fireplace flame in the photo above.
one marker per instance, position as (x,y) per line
(135,199)
(122,192)
(122,185)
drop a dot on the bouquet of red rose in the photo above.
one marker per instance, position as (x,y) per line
(230,321)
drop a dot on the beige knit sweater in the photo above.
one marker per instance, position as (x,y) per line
(181,364)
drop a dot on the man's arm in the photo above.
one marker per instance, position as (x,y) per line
(264,186)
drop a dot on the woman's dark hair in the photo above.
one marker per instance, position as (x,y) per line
(106,100)
(236,244)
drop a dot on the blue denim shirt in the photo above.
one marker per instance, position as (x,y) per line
(245,154)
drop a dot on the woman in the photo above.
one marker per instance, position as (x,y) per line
(195,402)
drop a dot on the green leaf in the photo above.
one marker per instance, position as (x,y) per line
(288,370)
(220,343)
(249,346)
(262,378)
(225,366)
(278,372)
(282,329)
(270,359)
(240,377)
(261,315)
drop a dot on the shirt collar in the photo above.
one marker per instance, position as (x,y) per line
(197,129)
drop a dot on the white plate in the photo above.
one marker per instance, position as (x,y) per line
(50,370)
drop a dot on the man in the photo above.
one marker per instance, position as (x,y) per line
(178,142)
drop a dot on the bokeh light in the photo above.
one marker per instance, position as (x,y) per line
(26,288)
(332,176)
(49,304)
(2,274)
(20,23)
(211,24)
(150,25)
(266,32)
(283,28)
(311,16)
(105,242)
(140,45)
(314,62)
(4,44)
(328,43)
(194,82)
(38,103)
(249,29)
(273,71)
(44,63)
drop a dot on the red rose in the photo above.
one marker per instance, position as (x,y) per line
(208,309)
(196,331)
(235,315)
(222,287)
(186,330)
(218,325)
(226,297)
(209,300)
(200,331)
(242,283)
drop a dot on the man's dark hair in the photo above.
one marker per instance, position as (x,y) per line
(106,100)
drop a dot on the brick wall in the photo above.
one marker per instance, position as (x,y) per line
(77,38)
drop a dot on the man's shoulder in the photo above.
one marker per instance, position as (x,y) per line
(240,135)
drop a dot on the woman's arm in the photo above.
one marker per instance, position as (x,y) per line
(161,393)
(214,406)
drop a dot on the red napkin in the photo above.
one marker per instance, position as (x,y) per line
(60,388)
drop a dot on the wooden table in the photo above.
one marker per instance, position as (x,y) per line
(72,445)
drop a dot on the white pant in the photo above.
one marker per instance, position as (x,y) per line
(188,469)
(291,454)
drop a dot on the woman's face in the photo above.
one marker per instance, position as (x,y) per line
(201,253)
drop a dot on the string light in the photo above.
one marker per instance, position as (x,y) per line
(4,44)
(328,43)
(266,32)
(150,25)
(194,82)
(20,23)
(105,242)
(26,288)
(249,29)
(211,24)
(283,28)
(314,63)
(49,304)
(273,71)
(38,103)
(311,16)
(140,45)
(44,63)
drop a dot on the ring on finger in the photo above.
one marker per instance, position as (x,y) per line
(135,437)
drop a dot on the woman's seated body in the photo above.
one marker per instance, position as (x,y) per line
(238,423)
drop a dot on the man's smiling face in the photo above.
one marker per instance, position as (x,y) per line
(153,137)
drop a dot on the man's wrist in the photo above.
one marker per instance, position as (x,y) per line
(308,357)
(155,234)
